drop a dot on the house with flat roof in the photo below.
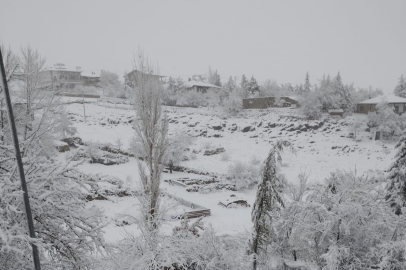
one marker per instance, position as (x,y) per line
(90,78)
(397,103)
(130,79)
(200,86)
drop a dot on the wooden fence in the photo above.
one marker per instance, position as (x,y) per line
(200,210)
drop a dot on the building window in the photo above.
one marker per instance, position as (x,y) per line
(361,108)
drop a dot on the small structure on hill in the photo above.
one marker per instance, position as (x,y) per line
(336,112)
(233,202)
(130,79)
(58,77)
(267,102)
(200,86)
(90,78)
(397,103)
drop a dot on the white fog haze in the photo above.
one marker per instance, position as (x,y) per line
(202,135)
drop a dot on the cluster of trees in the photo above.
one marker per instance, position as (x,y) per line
(328,93)
(228,97)
(250,87)
(400,89)
(348,222)
(385,120)
(66,232)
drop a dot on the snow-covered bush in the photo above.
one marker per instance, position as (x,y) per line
(178,145)
(67,232)
(243,175)
(386,120)
(169,97)
(191,98)
(311,107)
(191,246)
(338,224)
(232,104)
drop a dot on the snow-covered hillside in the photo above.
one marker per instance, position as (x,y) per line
(322,147)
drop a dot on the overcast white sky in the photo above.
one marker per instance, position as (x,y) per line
(279,40)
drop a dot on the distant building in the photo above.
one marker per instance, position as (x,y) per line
(267,102)
(60,78)
(397,103)
(131,77)
(336,112)
(200,86)
(90,78)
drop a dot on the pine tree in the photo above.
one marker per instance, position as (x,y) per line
(400,89)
(396,189)
(307,85)
(171,84)
(230,85)
(253,86)
(217,79)
(268,200)
(343,94)
(244,83)
(150,143)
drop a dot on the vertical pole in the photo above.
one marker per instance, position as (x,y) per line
(3,84)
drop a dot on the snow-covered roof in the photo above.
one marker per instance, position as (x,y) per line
(335,110)
(389,99)
(192,83)
(226,201)
(63,68)
(293,98)
(90,73)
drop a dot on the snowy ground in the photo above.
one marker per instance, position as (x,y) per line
(321,149)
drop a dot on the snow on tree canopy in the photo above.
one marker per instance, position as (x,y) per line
(389,99)
(397,178)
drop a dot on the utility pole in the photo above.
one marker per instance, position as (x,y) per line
(4,86)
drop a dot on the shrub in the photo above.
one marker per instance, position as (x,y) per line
(243,175)
(311,106)
(178,144)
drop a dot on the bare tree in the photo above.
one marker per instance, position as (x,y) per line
(31,64)
(151,141)
(10,61)
(10,66)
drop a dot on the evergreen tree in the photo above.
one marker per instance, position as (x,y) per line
(244,83)
(342,93)
(400,89)
(179,84)
(171,84)
(288,88)
(298,89)
(268,200)
(217,79)
(230,85)
(253,86)
(199,78)
(214,77)
(396,189)
(307,85)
